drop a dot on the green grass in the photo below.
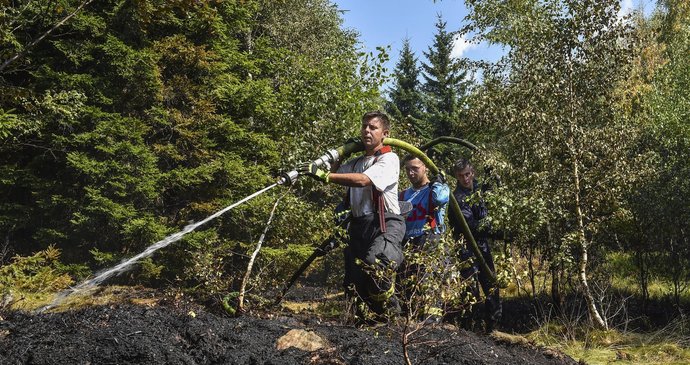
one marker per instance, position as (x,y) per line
(29,301)
(667,353)
(624,278)
(620,268)
(668,345)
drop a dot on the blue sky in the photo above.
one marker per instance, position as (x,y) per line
(388,22)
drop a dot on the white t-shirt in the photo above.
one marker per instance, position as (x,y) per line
(384,175)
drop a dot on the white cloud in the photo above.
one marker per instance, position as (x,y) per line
(460,46)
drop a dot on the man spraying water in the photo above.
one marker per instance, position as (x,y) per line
(376,229)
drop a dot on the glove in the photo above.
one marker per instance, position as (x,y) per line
(440,178)
(316,172)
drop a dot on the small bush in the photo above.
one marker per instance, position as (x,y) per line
(37,273)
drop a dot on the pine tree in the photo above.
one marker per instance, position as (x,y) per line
(133,120)
(406,96)
(445,84)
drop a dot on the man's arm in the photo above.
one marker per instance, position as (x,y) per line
(352,179)
(467,212)
(440,194)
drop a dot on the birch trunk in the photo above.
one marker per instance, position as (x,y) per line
(594,315)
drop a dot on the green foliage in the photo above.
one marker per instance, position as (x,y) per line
(550,110)
(37,273)
(432,284)
(9,122)
(282,262)
(660,204)
(137,117)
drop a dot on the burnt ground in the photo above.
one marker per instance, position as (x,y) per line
(168,332)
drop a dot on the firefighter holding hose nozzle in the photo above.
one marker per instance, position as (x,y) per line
(376,228)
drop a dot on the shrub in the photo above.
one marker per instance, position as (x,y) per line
(39,272)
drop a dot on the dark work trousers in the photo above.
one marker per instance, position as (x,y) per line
(376,250)
(492,301)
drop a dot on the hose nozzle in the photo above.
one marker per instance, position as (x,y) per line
(288,178)
(327,159)
(324,161)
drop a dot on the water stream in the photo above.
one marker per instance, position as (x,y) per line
(126,264)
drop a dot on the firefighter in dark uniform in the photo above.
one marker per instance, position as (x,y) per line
(475,214)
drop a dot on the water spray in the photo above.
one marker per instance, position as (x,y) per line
(286,178)
(126,264)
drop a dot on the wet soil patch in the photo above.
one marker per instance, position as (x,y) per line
(167,334)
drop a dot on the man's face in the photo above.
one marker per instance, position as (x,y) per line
(373,133)
(465,177)
(415,171)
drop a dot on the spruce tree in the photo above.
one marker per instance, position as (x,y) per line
(444,81)
(406,97)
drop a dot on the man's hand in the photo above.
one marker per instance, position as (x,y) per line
(440,178)
(316,172)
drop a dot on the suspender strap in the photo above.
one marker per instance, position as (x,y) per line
(376,196)
(379,203)
(384,149)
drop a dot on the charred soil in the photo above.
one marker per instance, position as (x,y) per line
(183,334)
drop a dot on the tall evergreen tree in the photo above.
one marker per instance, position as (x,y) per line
(138,117)
(406,96)
(445,84)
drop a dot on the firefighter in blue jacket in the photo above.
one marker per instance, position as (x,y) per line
(424,226)
(428,198)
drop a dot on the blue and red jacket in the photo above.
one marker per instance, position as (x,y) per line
(429,207)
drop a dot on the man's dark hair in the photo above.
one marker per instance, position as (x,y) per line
(409,158)
(383,117)
(461,164)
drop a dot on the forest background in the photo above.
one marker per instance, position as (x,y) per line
(122,121)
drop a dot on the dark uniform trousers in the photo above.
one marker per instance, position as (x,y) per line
(492,303)
(375,250)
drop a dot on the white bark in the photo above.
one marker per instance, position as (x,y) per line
(245,279)
(594,315)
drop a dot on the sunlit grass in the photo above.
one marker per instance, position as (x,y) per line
(94,297)
(630,352)
(613,346)
(669,345)
(330,305)
(28,301)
